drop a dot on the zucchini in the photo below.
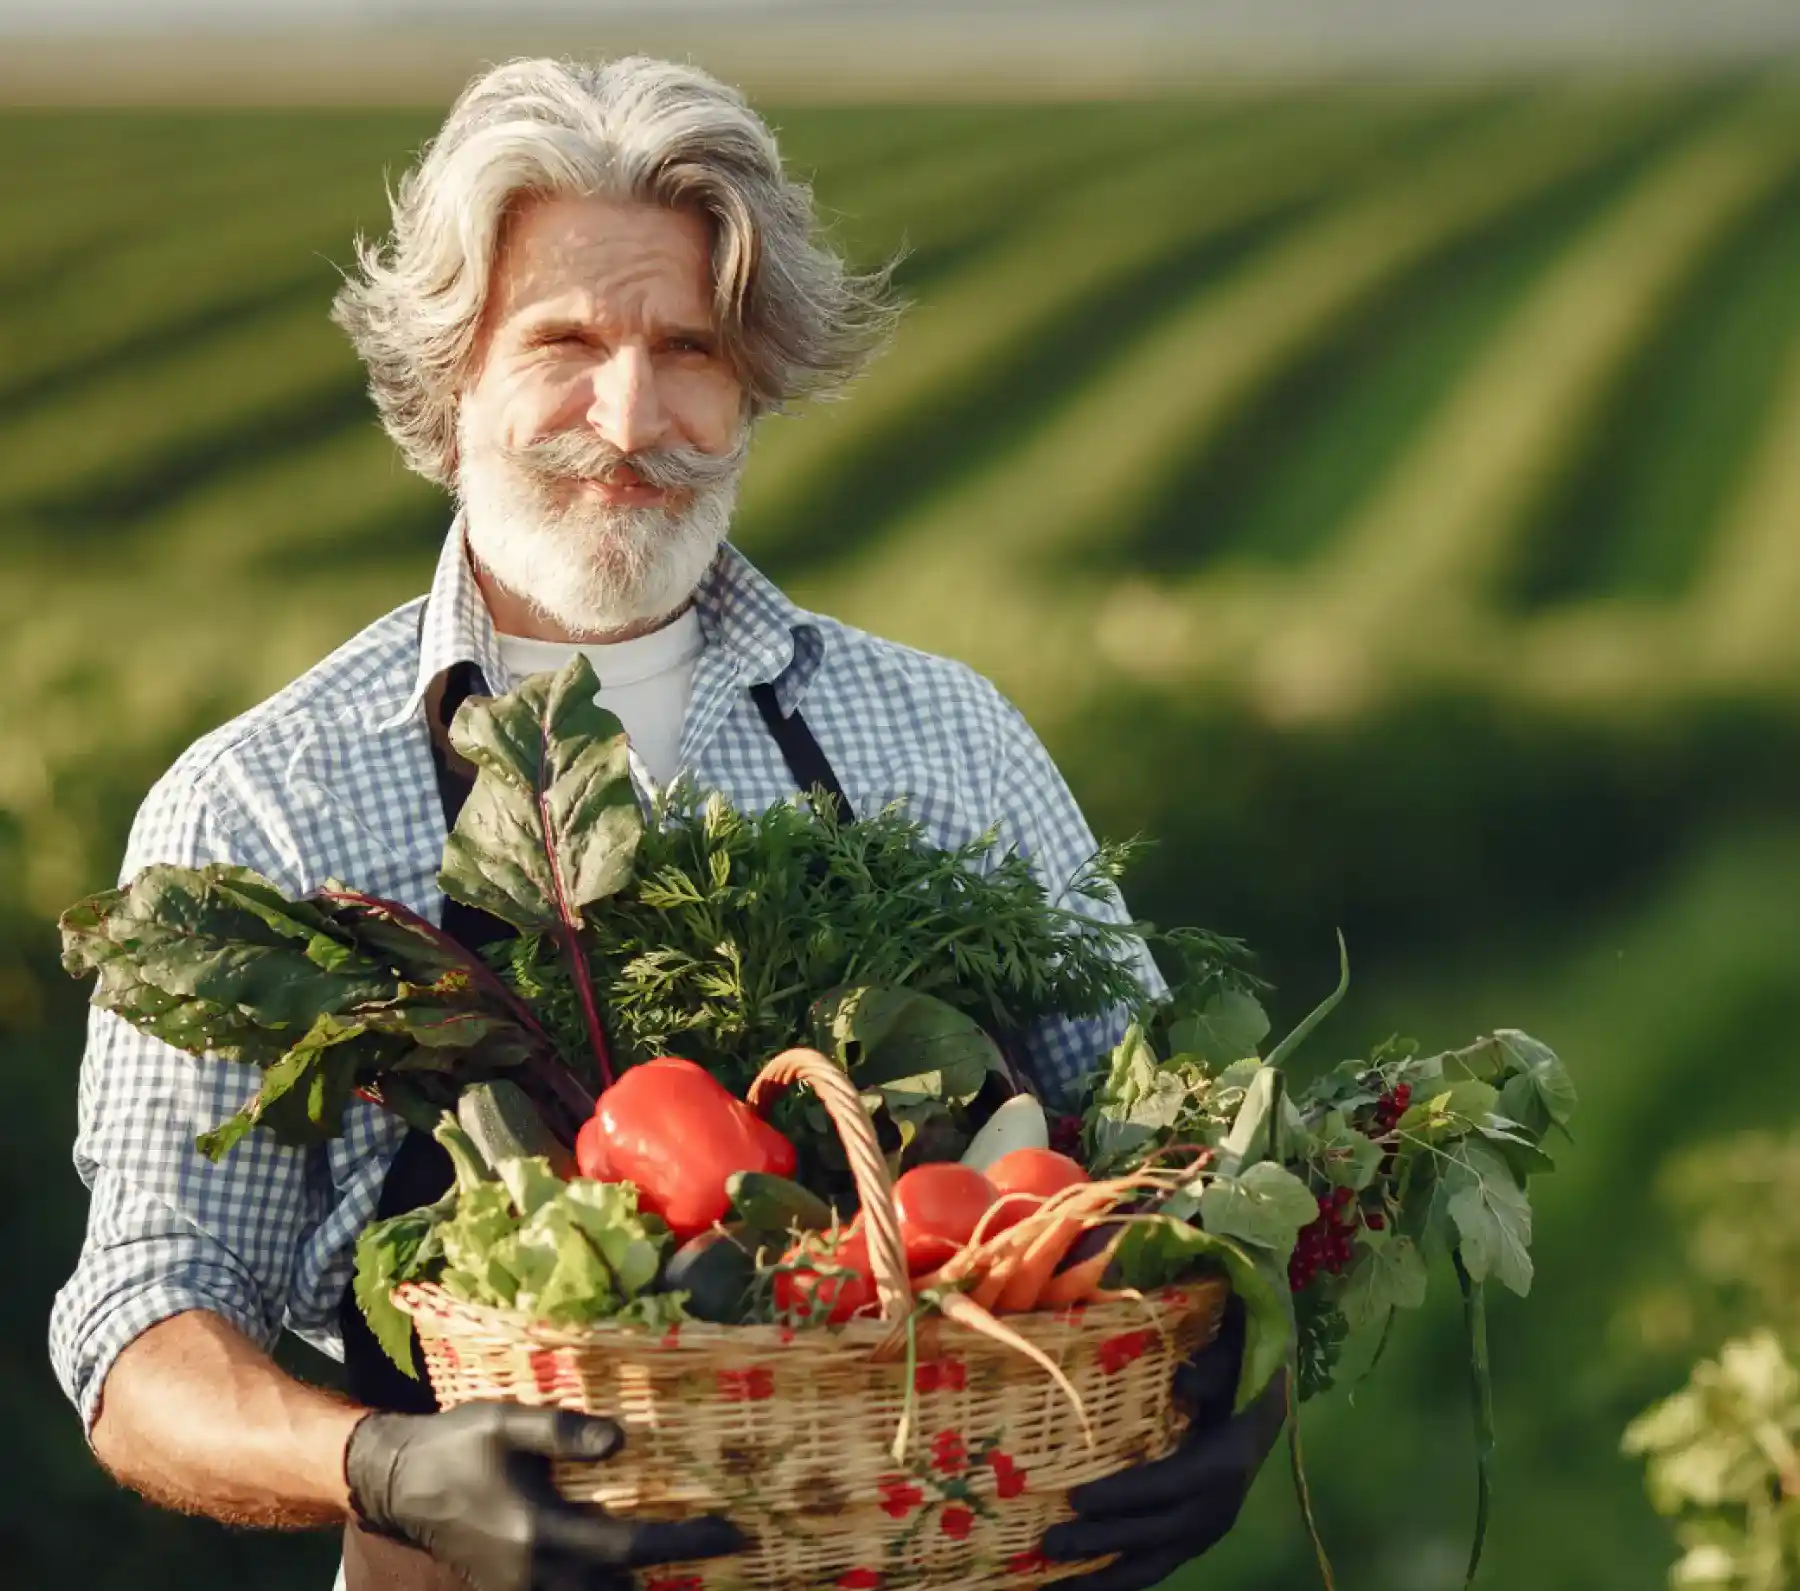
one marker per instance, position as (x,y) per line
(505,1125)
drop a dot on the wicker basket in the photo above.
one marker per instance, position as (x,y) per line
(793,1433)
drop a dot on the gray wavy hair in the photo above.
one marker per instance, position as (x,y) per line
(797,320)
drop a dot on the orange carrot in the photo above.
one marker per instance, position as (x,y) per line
(987,1291)
(1079,1282)
(991,1259)
(1064,1220)
(1010,1249)
(1038,1265)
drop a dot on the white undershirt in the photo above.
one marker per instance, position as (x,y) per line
(645,682)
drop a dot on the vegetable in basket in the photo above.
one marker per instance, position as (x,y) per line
(1018,1123)
(669,1128)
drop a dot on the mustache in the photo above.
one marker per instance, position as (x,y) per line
(570,455)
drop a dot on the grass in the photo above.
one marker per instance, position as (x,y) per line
(1300,458)
(1168,394)
(1125,244)
(1444,531)
(1637,522)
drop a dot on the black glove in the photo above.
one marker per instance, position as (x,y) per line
(472,1487)
(1157,1516)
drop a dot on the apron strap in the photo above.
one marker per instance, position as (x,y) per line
(804,756)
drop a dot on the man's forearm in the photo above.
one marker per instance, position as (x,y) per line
(197,1417)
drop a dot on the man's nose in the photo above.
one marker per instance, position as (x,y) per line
(626,409)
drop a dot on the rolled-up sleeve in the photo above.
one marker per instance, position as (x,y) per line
(1037,815)
(168,1231)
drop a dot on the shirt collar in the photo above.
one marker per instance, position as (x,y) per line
(745,614)
(454,627)
(742,612)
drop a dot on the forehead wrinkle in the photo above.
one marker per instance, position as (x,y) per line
(549,262)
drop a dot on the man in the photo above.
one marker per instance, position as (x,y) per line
(598,280)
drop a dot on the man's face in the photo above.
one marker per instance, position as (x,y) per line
(601,439)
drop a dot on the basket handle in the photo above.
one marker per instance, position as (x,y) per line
(887,1254)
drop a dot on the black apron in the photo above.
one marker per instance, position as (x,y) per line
(420,1173)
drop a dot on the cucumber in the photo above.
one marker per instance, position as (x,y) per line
(770,1207)
(715,1270)
(505,1125)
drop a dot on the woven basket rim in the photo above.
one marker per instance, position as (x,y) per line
(432,1302)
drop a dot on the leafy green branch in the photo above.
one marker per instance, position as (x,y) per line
(1347,1187)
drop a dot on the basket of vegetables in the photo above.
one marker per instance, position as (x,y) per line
(909,1403)
(742,1157)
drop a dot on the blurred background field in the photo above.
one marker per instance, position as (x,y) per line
(1385,494)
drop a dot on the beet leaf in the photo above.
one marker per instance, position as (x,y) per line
(552,824)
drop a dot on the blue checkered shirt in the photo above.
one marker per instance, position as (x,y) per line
(333,776)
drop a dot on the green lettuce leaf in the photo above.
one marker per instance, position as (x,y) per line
(514,1235)
(632,1243)
(587,1253)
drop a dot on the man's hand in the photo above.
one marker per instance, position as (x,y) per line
(1157,1516)
(472,1487)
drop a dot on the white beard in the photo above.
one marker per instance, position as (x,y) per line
(586,566)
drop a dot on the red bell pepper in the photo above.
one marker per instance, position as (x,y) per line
(673,1129)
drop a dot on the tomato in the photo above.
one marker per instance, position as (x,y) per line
(1042,1172)
(804,1294)
(939,1204)
(925,1253)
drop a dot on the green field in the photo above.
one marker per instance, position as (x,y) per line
(1388,498)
